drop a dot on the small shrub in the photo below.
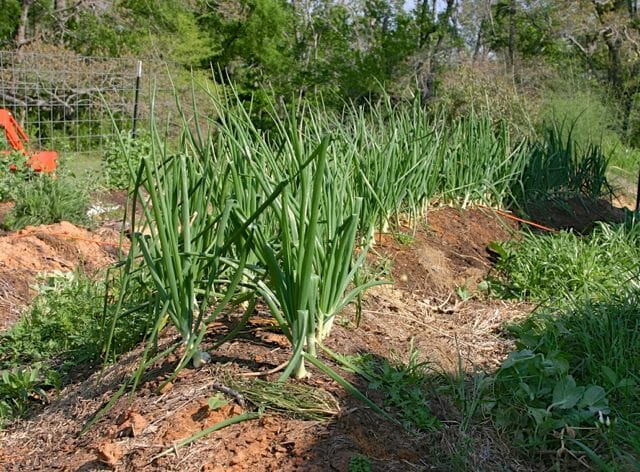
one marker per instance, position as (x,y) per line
(121,157)
(45,199)
(484,86)
(13,170)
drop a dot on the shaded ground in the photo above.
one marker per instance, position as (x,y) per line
(423,307)
(575,213)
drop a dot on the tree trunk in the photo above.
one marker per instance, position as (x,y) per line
(478,44)
(511,46)
(21,35)
(627,108)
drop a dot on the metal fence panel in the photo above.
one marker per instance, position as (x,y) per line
(67,102)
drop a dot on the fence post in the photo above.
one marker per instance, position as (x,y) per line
(136,99)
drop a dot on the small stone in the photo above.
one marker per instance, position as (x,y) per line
(133,424)
(166,388)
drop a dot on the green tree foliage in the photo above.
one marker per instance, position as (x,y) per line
(254,37)
(354,50)
(8,20)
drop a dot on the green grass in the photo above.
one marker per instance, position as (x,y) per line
(43,199)
(578,373)
(80,163)
(558,166)
(565,267)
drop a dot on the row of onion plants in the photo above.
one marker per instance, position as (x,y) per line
(239,214)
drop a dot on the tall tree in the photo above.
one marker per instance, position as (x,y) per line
(606,35)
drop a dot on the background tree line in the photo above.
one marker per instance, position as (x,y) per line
(523,59)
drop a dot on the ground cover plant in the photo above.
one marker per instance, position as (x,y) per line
(567,267)
(573,385)
(63,328)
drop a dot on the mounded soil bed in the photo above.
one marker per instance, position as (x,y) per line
(423,307)
(37,250)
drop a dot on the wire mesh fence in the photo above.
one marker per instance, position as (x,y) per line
(71,103)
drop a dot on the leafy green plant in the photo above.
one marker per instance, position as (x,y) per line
(359,463)
(564,267)
(403,386)
(47,199)
(575,382)
(535,394)
(20,386)
(63,327)
(404,238)
(121,156)
(13,171)
(64,324)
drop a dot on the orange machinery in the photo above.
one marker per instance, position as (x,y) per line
(40,161)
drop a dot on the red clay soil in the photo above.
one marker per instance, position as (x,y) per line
(450,252)
(36,250)
(421,308)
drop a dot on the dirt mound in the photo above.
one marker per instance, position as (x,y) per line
(449,253)
(41,249)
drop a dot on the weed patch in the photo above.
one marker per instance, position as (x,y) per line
(566,267)
(63,328)
(44,199)
(575,384)
(403,386)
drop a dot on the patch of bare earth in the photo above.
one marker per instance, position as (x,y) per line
(34,250)
(421,306)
